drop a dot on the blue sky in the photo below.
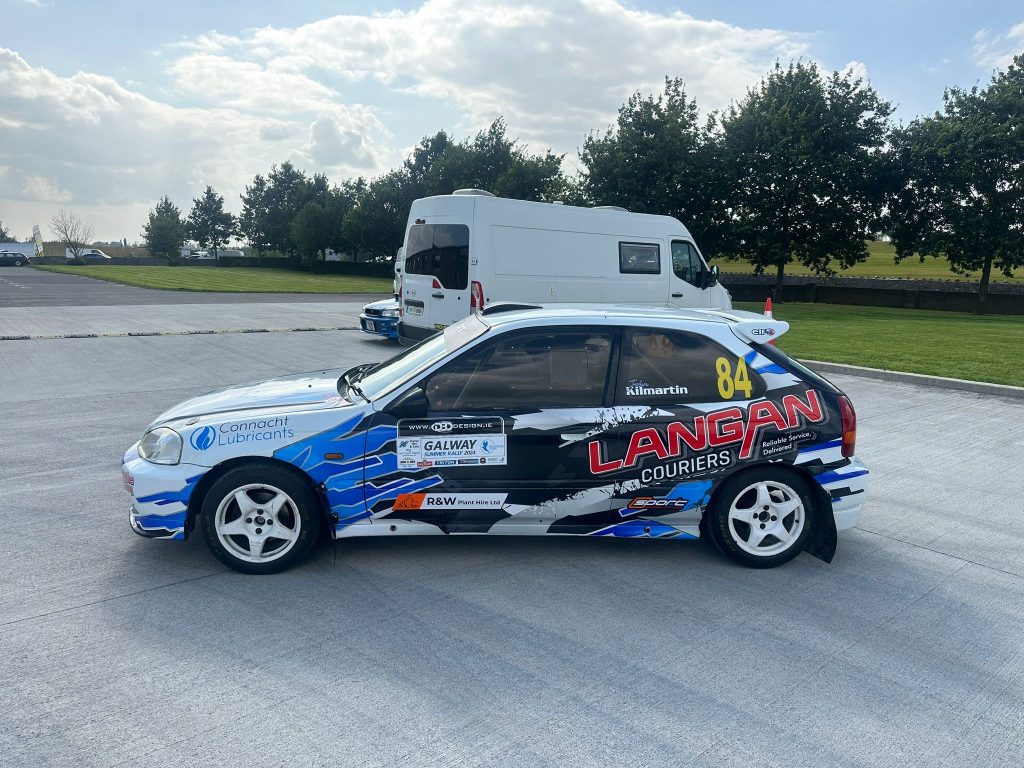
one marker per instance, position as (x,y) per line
(104,106)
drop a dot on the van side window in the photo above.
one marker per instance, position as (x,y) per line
(660,367)
(567,368)
(686,262)
(441,251)
(639,259)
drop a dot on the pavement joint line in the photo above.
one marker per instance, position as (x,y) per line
(197,332)
(964,560)
(91,603)
(924,380)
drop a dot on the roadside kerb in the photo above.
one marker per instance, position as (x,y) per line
(965,385)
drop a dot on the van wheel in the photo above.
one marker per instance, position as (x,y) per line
(763,517)
(259,518)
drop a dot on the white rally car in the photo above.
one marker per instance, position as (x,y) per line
(622,422)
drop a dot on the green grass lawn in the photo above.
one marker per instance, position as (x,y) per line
(880,264)
(960,345)
(233,279)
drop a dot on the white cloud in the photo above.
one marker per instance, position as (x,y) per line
(87,141)
(993,50)
(555,70)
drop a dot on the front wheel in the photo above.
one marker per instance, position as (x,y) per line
(260,519)
(763,517)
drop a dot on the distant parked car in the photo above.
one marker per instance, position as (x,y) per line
(89,254)
(200,256)
(12,259)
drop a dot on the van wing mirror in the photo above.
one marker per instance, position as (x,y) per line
(711,277)
(411,405)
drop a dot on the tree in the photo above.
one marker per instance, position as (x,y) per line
(958,175)
(657,158)
(165,231)
(255,216)
(376,223)
(492,161)
(72,231)
(5,234)
(800,156)
(312,231)
(208,223)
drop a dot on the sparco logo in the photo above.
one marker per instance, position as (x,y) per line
(442,426)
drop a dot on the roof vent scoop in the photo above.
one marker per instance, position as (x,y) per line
(477,192)
(611,208)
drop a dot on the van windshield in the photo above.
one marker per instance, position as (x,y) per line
(441,251)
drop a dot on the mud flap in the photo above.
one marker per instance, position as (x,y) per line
(823,545)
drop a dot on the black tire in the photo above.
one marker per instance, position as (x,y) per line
(742,490)
(298,520)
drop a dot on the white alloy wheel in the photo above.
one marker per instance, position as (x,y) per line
(766,518)
(257,523)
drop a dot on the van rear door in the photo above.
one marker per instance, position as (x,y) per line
(435,285)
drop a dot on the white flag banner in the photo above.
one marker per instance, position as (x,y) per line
(37,236)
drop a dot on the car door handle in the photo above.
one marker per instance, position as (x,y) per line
(677,295)
(437,295)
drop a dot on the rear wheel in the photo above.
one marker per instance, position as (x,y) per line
(762,517)
(17,263)
(259,518)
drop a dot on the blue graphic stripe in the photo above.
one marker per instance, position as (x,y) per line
(768,367)
(180,496)
(822,446)
(170,522)
(834,477)
(632,529)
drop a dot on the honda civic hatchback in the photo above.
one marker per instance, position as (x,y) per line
(618,423)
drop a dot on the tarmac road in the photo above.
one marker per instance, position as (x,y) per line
(908,650)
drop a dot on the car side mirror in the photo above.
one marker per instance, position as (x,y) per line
(411,405)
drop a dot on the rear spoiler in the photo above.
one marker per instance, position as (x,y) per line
(751,326)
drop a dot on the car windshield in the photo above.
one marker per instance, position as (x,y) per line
(384,377)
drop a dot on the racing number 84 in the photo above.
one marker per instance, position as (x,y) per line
(728,384)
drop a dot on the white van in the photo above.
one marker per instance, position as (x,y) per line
(470,249)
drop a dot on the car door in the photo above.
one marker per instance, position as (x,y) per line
(506,432)
(695,391)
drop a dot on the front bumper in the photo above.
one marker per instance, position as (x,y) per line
(379,326)
(161,495)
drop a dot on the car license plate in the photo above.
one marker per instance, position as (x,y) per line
(410,309)
(370,326)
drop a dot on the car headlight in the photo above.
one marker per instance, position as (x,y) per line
(161,446)
(389,313)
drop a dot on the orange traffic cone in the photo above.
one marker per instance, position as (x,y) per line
(768,308)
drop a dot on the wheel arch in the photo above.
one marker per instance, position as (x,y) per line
(823,544)
(195,502)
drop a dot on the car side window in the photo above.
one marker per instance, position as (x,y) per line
(686,262)
(564,368)
(662,367)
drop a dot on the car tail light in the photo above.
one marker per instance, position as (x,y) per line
(849,418)
(476,296)
(399,297)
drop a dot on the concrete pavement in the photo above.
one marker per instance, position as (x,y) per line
(908,650)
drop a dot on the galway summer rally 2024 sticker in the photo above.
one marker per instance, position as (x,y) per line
(426,443)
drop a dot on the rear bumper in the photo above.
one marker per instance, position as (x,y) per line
(847,487)
(413,334)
